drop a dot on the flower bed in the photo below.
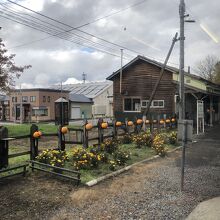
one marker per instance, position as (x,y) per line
(112,155)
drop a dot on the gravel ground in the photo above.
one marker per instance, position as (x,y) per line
(147,191)
(152,191)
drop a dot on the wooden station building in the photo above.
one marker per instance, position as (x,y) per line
(131,94)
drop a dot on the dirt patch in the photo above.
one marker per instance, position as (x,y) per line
(33,197)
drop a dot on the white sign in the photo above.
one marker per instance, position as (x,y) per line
(200,116)
(200,109)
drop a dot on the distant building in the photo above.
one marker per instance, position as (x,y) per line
(80,106)
(101,93)
(4,108)
(35,104)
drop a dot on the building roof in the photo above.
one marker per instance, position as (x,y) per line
(41,90)
(156,63)
(90,90)
(61,100)
(79,98)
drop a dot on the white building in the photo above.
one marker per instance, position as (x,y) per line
(101,94)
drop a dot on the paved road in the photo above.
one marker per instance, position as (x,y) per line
(152,191)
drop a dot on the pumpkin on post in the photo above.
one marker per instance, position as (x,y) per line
(37,134)
(118,124)
(162,121)
(64,130)
(89,126)
(130,123)
(139,121)
(147,122)
(104,125)
(167,121)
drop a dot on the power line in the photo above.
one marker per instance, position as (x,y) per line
(11,15)
(77,29)
(80,26)
(83,32)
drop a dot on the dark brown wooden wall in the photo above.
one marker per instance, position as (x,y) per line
(139,80)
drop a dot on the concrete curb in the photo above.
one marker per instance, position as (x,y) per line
(95,181)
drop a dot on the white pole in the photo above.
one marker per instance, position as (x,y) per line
(21,112)
(121,70)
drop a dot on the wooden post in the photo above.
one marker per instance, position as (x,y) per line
(100,131)
(115,130)
(85,135)
(33,142)
(61,139)
(3,147)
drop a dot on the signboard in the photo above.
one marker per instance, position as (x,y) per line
(200,109)
(200,116)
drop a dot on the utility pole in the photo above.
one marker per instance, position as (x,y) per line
(61,93)
(84,77)
(181,62)
(182,120)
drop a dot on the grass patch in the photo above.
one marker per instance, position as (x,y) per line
(24,129)
(137,154)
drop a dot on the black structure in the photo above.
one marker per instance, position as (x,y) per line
(61,112)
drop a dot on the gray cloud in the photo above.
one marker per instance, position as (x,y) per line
(153,22)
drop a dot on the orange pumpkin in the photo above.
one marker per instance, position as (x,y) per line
(173,120)
(118,123)
(104,125)
(64,130)
(36,134)
(139,121)
(147,121)
(162,121)
(89,126)
(130,123)
(40,133)
(167,120)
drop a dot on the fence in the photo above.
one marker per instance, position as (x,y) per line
(84,136)
(32,152)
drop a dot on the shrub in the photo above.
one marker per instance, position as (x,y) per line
(121,157)
(53,157)
(110,145)
(172,137)
(82,159)
(127,139)
(142,140)
(158,145)
(112,165)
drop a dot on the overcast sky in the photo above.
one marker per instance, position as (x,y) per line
(147,29)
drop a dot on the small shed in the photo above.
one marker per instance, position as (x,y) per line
(61,112)
(80,106)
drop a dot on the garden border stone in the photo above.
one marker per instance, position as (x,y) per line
(117,172)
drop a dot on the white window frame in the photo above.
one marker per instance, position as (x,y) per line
(152,104)
(131,97)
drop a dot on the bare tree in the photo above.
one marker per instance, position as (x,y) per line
(8,70)
(217,73)
(206,67)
